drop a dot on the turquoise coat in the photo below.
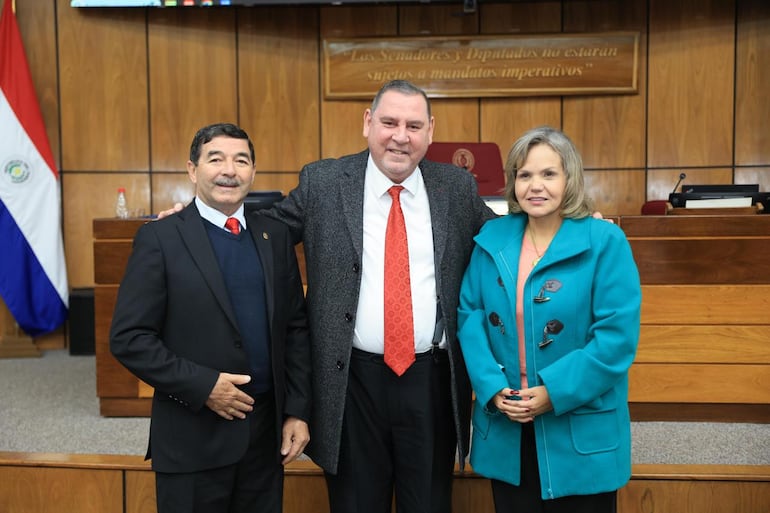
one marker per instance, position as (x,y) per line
(590,277)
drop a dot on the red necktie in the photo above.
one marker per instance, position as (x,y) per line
(233,225)
(399,325)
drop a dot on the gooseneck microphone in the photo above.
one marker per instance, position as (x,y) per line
(682,176)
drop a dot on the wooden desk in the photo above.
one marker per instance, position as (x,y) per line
(733,211)
(704,351)
(121,394)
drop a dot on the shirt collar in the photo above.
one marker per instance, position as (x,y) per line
(216,217)
(380,183)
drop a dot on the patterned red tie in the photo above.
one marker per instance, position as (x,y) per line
(233,225)
(399,325)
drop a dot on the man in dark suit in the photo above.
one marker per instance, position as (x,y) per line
(214,320)
(377,430)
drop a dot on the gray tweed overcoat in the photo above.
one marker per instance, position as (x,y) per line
(325,213)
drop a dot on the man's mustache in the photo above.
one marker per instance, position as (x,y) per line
(227,182)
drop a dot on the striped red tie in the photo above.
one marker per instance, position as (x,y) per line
(399,324)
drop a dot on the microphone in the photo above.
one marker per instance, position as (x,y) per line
(682,176)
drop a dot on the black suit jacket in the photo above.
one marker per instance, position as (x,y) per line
(175,329)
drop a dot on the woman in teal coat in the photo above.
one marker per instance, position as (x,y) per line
(549,324)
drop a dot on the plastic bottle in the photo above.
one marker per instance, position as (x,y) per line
(121,209)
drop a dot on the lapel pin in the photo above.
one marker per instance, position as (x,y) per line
(265,235)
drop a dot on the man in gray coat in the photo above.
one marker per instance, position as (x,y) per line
(374,431)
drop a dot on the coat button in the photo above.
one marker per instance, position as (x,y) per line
(348,317)
(356,268)
(340,365)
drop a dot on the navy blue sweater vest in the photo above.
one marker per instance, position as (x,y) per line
(245,281)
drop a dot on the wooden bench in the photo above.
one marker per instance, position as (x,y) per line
(44,482)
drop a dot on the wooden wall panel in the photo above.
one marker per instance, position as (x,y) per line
(89,196)
(699,261)
(55,490)
(37,25)
(305,492)
(758,175)
(703,344)
(279,86)
(170,188)
(437,19)
(696,495)
(660,488)
(610,126)
(193,80)
(616,192)
(520,17)
(140,492)
(283,182)
(342,121)
(706,59)
(690,97)
(103,86)
(456,119)
(699,383)
(503,120)
(705,304)
(752,84)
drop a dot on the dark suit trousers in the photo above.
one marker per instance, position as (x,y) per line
(252,485)
(397,434)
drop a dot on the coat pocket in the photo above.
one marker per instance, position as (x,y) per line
(481,421)
(594,431)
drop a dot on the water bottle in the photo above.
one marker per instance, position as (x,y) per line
(121,209)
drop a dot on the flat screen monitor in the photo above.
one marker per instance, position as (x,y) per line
(724,191)
(721,191)
(257,200)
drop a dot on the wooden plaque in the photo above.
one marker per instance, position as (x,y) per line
(484,66)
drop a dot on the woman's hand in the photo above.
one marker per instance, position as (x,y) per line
(523,405)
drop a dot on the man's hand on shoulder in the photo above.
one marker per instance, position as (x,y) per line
(173,210)
(598,215)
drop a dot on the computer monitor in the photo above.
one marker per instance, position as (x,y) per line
(710,191)
(723,191)
(257,200)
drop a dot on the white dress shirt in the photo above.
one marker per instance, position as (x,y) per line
(216,217)
(369,327)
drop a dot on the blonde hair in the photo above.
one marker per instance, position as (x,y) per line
(575,204)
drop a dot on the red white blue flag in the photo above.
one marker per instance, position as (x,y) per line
(33,275)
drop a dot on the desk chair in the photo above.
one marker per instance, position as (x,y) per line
(481,159)
(655,208)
